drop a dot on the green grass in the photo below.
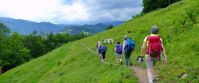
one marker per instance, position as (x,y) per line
(68,65)
(72,63)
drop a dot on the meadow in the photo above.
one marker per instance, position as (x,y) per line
(73,63)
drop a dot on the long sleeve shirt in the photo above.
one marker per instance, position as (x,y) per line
(124,44)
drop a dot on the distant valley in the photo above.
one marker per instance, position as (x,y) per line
(27,27)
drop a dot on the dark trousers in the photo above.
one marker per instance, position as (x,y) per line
(128,58)
(103,55)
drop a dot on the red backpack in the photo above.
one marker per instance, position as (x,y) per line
(154,46)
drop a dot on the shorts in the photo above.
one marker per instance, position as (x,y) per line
(118,55)
(153,60)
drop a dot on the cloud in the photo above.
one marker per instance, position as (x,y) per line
(43,10)
(111,10)
(112,4)
(70,11)
(30,9)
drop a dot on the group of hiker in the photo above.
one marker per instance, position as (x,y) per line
(126,48)
(151,50)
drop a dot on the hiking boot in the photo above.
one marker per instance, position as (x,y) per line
(103,60)
(131,64)
(120,63)
(154,80)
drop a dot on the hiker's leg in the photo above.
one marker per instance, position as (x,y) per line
(126,58)
(153,73)
(152,68)
(154,60)
(97,51)
(129,56)
(117,58)
(100,56)
(120,58)
(103,56)
(149,68)
(129,59)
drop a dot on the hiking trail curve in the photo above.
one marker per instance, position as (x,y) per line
(140,72)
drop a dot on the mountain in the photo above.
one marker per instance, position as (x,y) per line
(76,62)
(114,23)
(27,27)
(74,29)
(93,29)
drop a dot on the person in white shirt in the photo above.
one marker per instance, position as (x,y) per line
(127,52)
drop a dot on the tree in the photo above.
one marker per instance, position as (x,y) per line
(16,49)
(150,5)
(15,52)
(109,27)
(35,43)
(4,32)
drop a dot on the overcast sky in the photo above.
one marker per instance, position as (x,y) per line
(70,11)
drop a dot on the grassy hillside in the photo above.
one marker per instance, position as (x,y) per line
(68,65)
(72,63)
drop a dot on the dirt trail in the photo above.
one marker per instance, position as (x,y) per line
(140,72)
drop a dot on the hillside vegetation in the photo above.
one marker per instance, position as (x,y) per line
(73,63)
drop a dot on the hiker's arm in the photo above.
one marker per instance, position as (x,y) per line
(164,52)
(144,45)
(143,48)
(123,46)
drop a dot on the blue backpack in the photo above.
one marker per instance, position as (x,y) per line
(118,48)
(130,45)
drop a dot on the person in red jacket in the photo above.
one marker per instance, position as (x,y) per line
(152,49)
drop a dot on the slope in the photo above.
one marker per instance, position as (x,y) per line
(67,65)
(72,63)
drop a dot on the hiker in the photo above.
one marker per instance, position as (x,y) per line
(98,45)
(155,48)
(102,51)
(118,51)
(128,47)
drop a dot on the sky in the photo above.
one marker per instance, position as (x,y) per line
(71,11)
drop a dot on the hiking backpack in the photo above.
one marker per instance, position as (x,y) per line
(130,45)
(118,48)
(103,49)
(154,46)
